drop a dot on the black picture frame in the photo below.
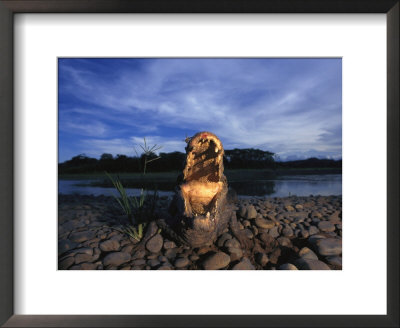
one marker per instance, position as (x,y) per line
(7,10)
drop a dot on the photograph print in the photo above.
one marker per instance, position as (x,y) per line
(199,164)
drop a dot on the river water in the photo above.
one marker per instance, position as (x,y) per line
(290,185)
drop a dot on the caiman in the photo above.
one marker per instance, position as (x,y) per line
(201,209)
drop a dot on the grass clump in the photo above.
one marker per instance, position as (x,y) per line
(137,209)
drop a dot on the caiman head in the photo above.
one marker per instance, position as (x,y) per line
(203,190)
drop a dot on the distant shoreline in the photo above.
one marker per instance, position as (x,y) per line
(230,174)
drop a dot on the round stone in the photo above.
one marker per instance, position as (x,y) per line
(116,258)
(181,262)
(155,244)
(307,253)
(307,264)
(328,246)
(263,223)
(110,245)
(326,226)
(244,264)
(287,266)
(216,261)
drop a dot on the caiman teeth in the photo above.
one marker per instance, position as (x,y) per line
(208,215)
(216,149)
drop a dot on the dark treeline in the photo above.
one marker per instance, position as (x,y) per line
(233,159)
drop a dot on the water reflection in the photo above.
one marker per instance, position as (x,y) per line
(300,185)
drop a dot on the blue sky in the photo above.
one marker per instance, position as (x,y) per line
(292,107)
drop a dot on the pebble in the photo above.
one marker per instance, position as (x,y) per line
(181,262)
(232,243)
(307,264)
(155,243)
(66,263)
(283,241)
(80,258)
(263,223)
(328,246)
(216,261)
(262,259)
(82,236)
(287,231)
(168,244)
(307,253)
(153,262)
(287,266)
(244,264)
(109,245)
(170,253)
(334,260)
(65,245)
(139,262)
(116,258)
(251,212)
(326,226)
(312,230)
(274,232)
(235,253)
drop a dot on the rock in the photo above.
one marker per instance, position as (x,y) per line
(155,244)
(299,206)
(170,254)
(109,245)
(80,258)
(251,212)
(263,223)
(289,208)
(248,233)
(328,246)
(304,233)
(224,237)
(244,264)
(246,223)
(181,262)
(307,253)
(162,258)
(139,254)
(312,230)
(165,267)
(232,243)
(307,264)
(274,232)
(283,241)
(81,236)
(274,256)
(65,245)
(153,262)
(116,258)
(168,244)
(287,266)
(216,261)
(66,263)
(194,257)
(127,248)
(334,260)
(326,226)
(88,266)
(262,259)
(316,214)
(139,262)
(235,253)
(268,240)
(287,231)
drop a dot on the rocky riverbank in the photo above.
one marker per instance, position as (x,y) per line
(291,233)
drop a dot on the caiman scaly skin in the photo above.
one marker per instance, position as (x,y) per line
(200,210)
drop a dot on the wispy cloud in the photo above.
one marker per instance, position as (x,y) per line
(289,106)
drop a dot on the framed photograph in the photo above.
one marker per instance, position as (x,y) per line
(181,164)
